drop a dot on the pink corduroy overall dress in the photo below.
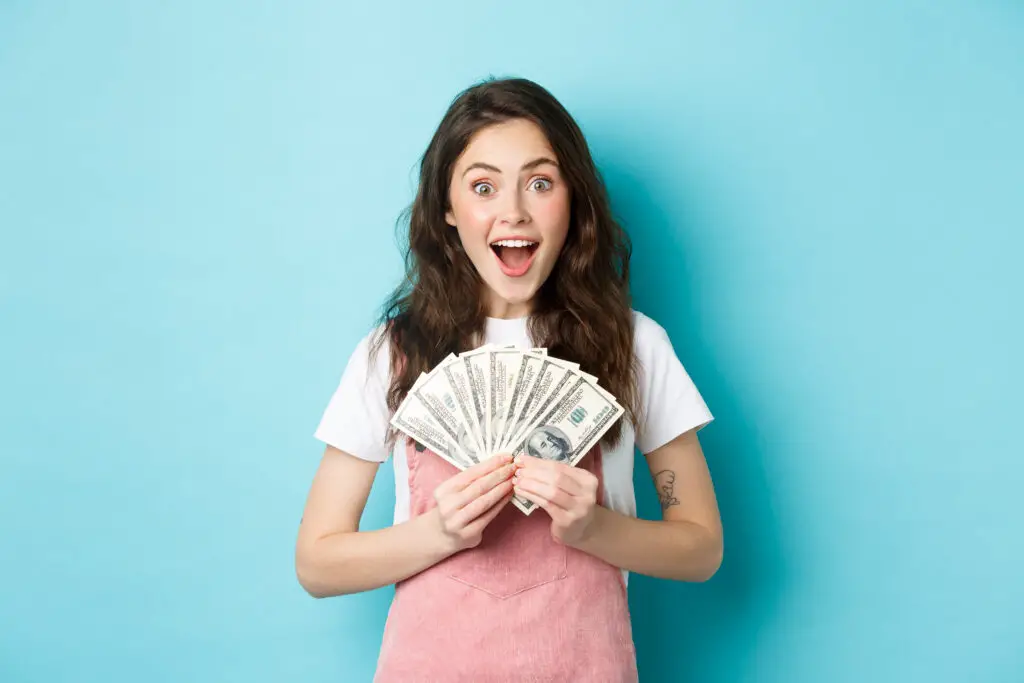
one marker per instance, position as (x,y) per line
(520,607)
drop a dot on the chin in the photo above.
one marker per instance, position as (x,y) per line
(521,292)
(515,296)
(515,299)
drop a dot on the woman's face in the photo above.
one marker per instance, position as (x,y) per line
(510,205)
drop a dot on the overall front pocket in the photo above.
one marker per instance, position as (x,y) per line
(517,553)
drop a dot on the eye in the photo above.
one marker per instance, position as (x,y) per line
(483,189)
(541,185)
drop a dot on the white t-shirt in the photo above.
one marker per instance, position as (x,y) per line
(357,416)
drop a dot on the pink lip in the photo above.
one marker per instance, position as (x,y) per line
(521,270)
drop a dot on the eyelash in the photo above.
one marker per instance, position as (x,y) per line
(477,185)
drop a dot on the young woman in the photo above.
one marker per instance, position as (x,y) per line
(484,592)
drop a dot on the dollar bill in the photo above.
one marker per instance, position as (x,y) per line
(518,376)
(552,378)
(501,398)
(475,364)
(526,376)
(446,395)
(415,420)
(503,369)
(455,376)
(569,428)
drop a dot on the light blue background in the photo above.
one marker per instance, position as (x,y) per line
(197,204)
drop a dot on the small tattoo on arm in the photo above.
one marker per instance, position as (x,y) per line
(665,482)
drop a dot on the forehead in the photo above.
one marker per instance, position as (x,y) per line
(507,145)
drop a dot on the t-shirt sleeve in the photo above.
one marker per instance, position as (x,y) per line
(357,416)
(670,402)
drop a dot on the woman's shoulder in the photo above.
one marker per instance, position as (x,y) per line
(647,333)
(373,352)
(670,401)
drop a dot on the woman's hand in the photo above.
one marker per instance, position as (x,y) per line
(468,501)
(569,494)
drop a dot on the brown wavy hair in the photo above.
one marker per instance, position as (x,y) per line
(582,311)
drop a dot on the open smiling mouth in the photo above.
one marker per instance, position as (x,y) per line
(514,256)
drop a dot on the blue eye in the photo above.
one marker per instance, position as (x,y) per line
(477,187)
(541,185)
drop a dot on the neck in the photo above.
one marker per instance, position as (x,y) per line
(507,310)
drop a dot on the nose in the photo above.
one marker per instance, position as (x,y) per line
(514,211)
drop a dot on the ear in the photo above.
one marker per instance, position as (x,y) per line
(449,217)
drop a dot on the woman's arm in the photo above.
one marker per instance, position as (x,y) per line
(685,545)
(332,557)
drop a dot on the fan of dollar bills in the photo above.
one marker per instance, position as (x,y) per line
(498,399)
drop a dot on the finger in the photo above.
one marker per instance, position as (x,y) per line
(483,508)
(471,474)
(558,479)
(557,514)
(481,522)
(478,525)
(585,480)
(482,486)
(479,505)
(546,491)
(528,461)
(524,461)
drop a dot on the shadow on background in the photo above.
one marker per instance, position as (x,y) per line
(687,631)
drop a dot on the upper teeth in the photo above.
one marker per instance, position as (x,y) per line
(514,243)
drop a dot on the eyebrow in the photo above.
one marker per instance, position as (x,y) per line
(539,161)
